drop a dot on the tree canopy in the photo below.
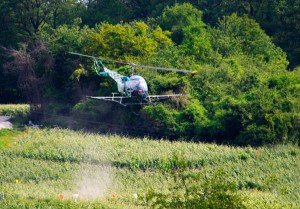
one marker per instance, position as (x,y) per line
(246,90)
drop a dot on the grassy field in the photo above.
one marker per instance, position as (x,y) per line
(14,109)
(6,136)
(48,168)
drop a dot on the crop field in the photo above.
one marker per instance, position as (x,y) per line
(60,168)
(14,109)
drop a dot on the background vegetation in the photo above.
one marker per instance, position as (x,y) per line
(246,53)
(14,110)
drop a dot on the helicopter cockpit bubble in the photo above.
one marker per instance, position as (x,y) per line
(138,86)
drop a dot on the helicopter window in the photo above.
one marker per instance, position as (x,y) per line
(136,77)
(125,78)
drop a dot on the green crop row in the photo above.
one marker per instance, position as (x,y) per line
(6,137)
(14,109)
(46,162)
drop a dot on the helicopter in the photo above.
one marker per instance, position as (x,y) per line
(130,88)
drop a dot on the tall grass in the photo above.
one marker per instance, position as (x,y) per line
(7,136)
(49,162)
(14,109)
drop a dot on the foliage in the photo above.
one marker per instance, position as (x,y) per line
(9,36)
(187,123)
(176,18)
(61,41)
(66,38)
(96,11)
(243,35)
(277,18)
(197,43)
(127,40)
(6,136)
(30,17)
(14,109)
(243,93)
(191,191)
(236,97)
(32,64)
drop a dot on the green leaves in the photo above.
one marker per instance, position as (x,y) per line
(241,34)
(66,39)
(166,117)
(195,190)
(176,18)
(78,73)
(242,89)
(196,43)
(14,109)
(132,40)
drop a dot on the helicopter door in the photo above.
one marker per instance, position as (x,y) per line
(121,86)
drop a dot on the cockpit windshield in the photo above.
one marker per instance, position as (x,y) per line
(136,84)
(136,78)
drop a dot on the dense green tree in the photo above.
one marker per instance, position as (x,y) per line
(32,65)
(29,17)
(10,34)
(61,41)
(242,93)
(123,11)
(279,18)
(196,42)
(245,105)
(32,15)
(243,35)
(105,11)
(287,30)
(123,41)
(65,12)
(176,18)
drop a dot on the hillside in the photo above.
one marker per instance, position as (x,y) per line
(41,168)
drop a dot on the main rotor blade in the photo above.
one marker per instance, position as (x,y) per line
(83,55)
(162,68)
(135,65)
(101,58)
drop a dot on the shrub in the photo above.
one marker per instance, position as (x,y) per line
(195,190)
(14,109)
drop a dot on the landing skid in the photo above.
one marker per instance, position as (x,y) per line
(121,100)
(150,100)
